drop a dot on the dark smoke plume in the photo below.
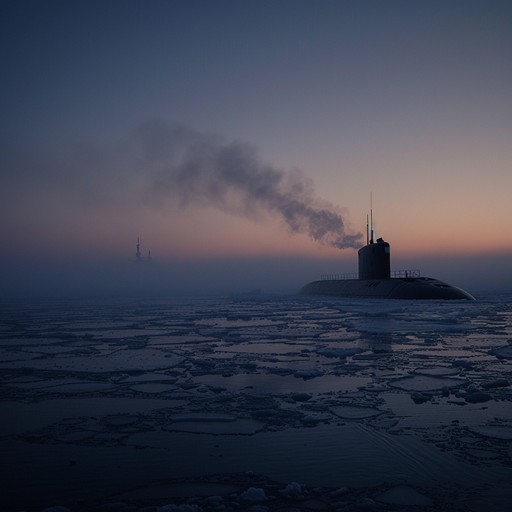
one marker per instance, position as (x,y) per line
(165,165)
(201,168)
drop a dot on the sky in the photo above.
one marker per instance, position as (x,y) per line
(241,140)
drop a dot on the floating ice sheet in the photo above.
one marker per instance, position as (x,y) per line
(215,424)
(494,431)
(426,383)
(353,412)
(268,383)
(19,417)
(444,411)
(502,352)
(153,387)
(122,360)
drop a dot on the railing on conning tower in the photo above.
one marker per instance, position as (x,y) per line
(339,277)
(406,273)
(355,275)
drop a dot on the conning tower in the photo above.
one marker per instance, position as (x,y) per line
(374,257)
(375,260)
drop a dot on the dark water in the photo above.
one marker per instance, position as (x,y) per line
(268,402)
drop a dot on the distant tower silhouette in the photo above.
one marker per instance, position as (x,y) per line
(150,259)
(138,255)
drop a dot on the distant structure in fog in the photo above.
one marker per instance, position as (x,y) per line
(138,255)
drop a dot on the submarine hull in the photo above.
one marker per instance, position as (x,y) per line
(417,288)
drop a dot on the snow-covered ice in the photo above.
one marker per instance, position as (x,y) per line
(256,403)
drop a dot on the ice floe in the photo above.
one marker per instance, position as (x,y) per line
(354,412)
(494,431)
(122,360)
(253,495)
(310,373)
(426,383)
(213,424)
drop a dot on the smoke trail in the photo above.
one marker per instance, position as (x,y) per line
(161,165)
(200,168)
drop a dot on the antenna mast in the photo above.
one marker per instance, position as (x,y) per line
(138,255)
(371,217)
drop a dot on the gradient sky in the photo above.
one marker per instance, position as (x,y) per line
(410,100)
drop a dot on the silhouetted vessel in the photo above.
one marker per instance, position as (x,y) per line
(375,279)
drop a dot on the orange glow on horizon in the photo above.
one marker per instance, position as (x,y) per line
(209,234)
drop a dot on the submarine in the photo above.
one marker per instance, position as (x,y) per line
(376,281)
